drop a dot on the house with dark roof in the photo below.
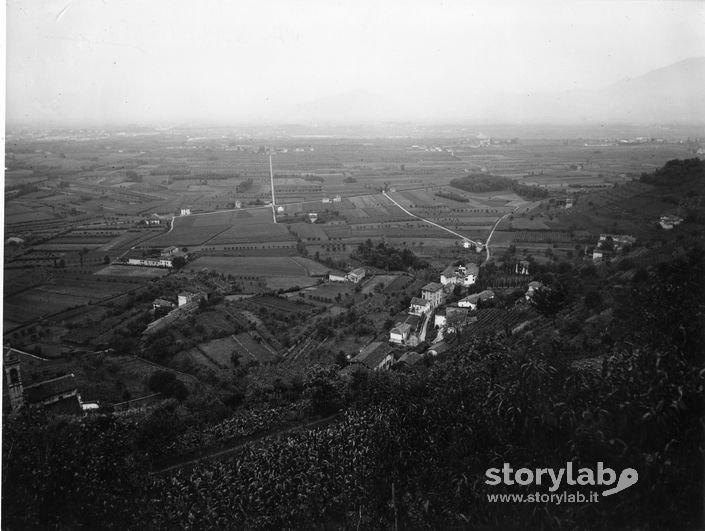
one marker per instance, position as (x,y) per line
(433,293)
(409,359)
(59,395)
(376,357)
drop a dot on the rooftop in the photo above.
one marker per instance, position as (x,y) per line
(372,355)
(432,287)
(41,391)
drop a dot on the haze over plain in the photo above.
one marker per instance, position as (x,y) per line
(92,63)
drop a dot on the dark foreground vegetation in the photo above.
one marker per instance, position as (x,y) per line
(411,447)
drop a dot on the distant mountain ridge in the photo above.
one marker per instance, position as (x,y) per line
(671,94)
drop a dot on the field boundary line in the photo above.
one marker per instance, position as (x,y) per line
(429,221)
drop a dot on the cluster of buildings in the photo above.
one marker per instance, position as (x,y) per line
(165,258)
(608,245)
(336,199)
(58,395)
(187,304)
(378,356)
(411,329)
(354,276)
(461,275)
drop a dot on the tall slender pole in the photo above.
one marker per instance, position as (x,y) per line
(271,178)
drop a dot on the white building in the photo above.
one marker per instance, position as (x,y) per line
(187,296)
(460,275)
(356,275)
(185,211)
(419,306)
(399,334)
(150,262)
(337,276)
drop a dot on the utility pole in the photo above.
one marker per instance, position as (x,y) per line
(271,178)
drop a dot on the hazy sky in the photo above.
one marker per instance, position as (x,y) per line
(163,61)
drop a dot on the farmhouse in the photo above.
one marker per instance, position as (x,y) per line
(533,286)
(356,275)
(185,211)
(433,292)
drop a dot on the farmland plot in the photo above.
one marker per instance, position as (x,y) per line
(256,266)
